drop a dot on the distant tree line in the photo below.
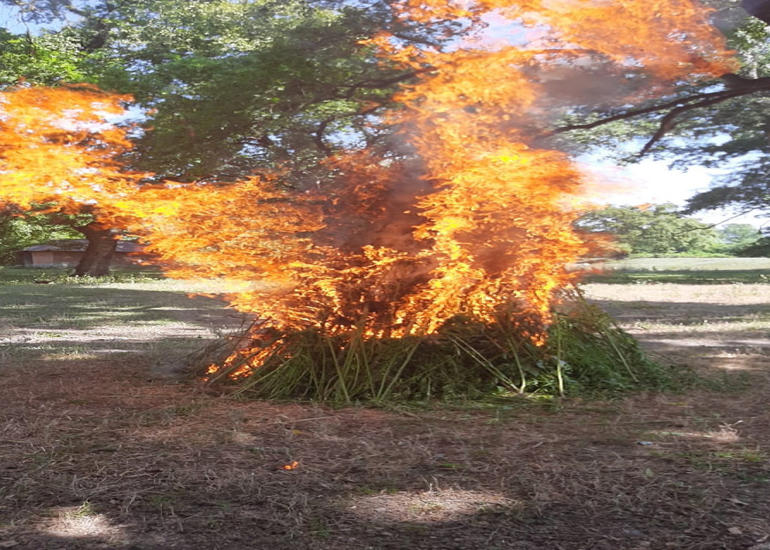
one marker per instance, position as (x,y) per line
(654,230)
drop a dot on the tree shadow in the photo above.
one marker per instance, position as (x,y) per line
(52,307)
(555,486)
(55,323)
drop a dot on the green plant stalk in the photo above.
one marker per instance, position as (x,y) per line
(378,394)
(367,366)
(622,357)
(517,360)
(559,374)
(401,368)
(340,376)
(315,373)
(254,380)
(354,360)
(483,361)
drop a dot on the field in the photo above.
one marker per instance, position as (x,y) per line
(683,270)
(103,444)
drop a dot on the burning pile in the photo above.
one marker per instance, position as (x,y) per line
(446,256)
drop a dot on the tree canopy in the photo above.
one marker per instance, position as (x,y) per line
(224,89)
(231,87)
(652,230)
(720,123)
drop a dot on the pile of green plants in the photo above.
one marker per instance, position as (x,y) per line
(584,353)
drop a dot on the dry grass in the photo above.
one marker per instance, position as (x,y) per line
(98,450)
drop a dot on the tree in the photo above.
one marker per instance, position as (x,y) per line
(737,236)
(650,230)
(716,122)
(301,87)
(298,84)
(45,60)
(53,58)
(18,231)
(238,86)
(760,247)
(59,157)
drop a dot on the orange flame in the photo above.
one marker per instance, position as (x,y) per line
(477,219)
(57,146)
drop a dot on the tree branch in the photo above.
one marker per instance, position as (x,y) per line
(382,83)
(737,86)
(668,122)
(318,135)
(631,114)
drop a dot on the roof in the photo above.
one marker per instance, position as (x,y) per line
(79,245)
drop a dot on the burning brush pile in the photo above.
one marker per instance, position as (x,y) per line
(439,269)
(580,351)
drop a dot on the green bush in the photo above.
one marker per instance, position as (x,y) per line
(759,248)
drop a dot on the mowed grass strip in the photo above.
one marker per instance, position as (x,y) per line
(681,270)
(45,314)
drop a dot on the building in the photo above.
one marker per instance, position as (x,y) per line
(67,253)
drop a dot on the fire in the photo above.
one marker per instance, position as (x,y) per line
(476,223)
(57,146)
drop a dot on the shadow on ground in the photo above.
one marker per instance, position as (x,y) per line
(144,466)
(692,277)
(79,307)
(59,323)
(95,454)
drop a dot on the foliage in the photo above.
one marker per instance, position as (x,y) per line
(230,87)
(730,135)
(585,353)
(236,86)
(17,232)
(760,247)
(733,135)
(738,236)
(47,59)
(650,230)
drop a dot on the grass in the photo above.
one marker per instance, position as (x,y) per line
(30,275)
(124,315)
(98,453)
(683,270)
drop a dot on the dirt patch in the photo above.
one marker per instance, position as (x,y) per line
(97,451)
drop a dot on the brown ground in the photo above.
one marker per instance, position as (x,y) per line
(101,448)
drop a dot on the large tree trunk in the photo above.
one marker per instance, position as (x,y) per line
(758,8)
(102,243)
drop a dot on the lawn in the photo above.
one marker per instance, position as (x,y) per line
(682,270)
(105,444)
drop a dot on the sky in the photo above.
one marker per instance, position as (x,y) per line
(9,19)
(652,181)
